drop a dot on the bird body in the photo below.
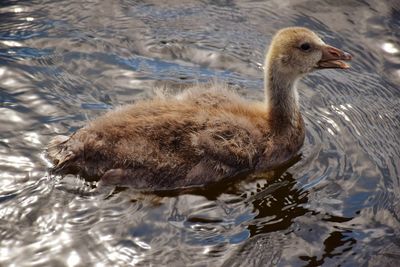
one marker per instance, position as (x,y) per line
(201,136)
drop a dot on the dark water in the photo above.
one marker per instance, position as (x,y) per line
(64,62)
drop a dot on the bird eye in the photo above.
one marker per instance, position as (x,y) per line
(305,47)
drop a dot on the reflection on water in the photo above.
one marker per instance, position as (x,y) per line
(64,63)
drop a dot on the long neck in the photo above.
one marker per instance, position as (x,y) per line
(281,97)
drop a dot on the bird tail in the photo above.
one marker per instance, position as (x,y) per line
(58,151)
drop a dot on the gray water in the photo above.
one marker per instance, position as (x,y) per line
(65,62)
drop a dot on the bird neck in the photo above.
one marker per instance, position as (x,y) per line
(281,96)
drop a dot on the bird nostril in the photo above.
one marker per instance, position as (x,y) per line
(334,53)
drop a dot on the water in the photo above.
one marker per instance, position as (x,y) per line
(64,62)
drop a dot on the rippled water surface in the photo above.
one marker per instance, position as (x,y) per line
(65,62)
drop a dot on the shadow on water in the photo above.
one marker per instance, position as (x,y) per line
(231,185)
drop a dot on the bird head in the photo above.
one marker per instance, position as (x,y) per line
(296,51)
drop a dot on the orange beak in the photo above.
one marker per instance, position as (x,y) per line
(333,58)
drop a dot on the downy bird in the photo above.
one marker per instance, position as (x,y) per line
(205,134)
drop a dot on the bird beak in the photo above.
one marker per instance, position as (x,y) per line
(333,58)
